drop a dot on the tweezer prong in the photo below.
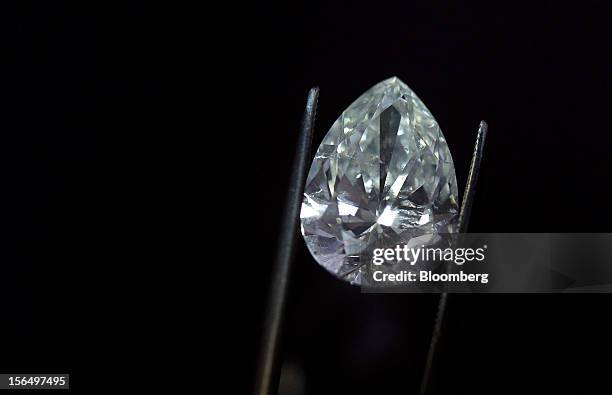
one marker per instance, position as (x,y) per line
(470,186)
(464,219)
(268,369)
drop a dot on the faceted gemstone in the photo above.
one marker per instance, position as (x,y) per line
(383,176)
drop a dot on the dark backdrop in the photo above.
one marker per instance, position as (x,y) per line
(145,159)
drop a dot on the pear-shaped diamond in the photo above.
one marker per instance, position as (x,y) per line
(383,176)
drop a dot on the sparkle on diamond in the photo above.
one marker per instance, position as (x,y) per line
(382,176)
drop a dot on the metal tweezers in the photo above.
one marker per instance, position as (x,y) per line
(268,368)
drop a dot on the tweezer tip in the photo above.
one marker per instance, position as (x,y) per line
(480,138)
(313,93)
(313,96)
(483,127)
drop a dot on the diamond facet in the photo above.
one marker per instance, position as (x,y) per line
(382,176)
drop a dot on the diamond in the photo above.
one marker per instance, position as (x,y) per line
(382,176)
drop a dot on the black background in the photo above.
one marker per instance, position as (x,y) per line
(145,158)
